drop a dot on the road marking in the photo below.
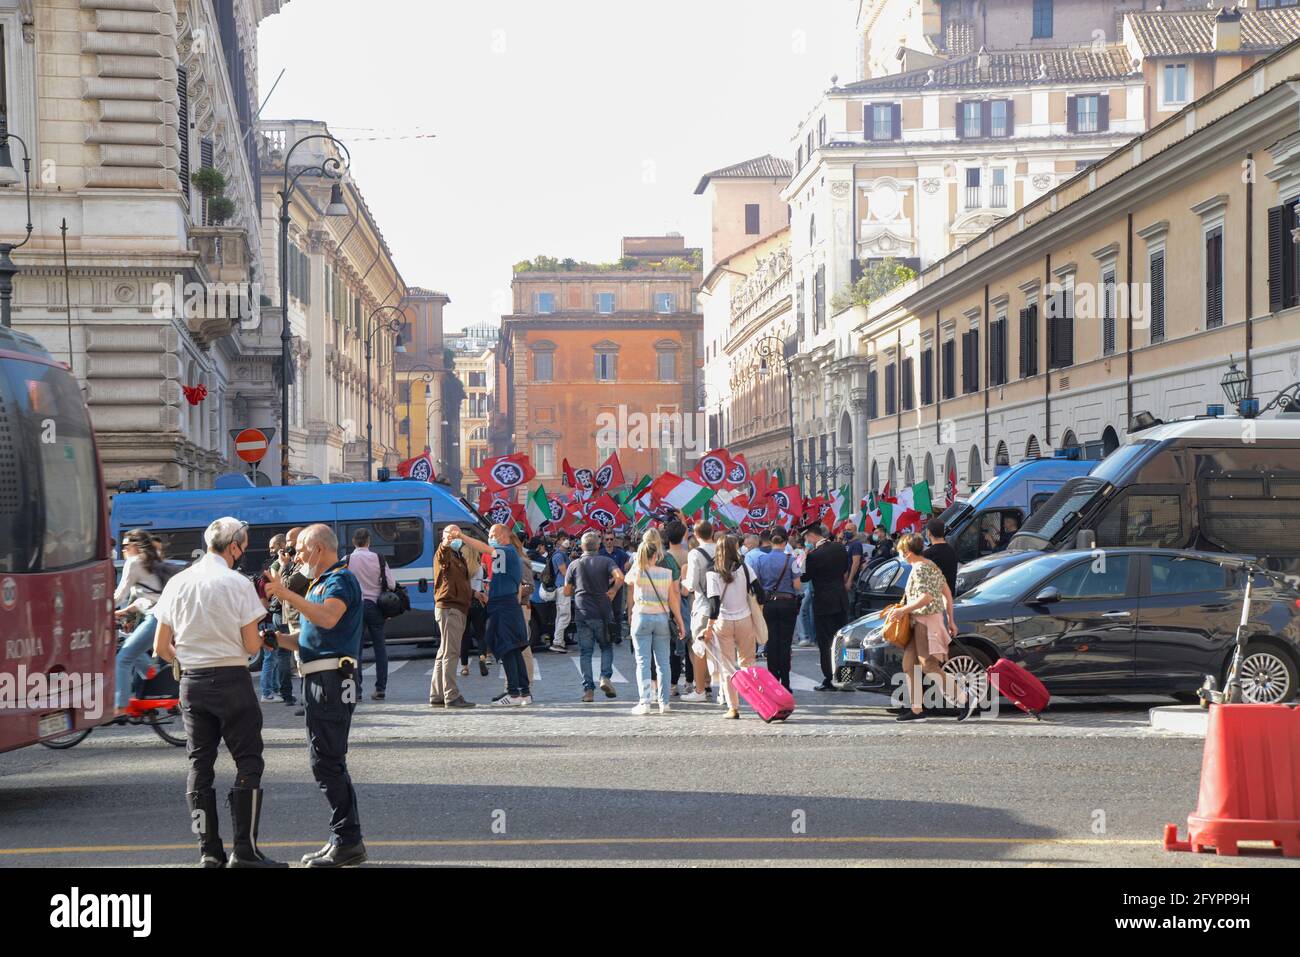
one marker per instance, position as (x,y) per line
(397,666)
(621,841)
(799,683)
(618,678)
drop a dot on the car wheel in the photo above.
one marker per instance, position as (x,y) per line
(1268,675)
(970,667)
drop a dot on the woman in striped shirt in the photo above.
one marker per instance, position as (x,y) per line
(656,599)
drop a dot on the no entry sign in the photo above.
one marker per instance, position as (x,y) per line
(250,445)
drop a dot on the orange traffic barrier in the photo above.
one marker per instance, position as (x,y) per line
(1250,782)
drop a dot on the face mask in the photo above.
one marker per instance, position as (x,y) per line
(457,544)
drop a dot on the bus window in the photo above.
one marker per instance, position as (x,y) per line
(400,540)
(58,525)
(1151,519)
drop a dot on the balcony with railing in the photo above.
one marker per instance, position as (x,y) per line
(766,286)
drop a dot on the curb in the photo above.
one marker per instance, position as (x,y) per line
(1184,719)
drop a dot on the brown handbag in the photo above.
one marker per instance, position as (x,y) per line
(899,631)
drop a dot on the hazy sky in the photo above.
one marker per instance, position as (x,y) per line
(561,125)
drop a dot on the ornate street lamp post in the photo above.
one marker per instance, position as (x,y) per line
(331,167)
(7,268)
(373,325)
(427,379)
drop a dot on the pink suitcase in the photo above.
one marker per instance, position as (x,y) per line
(764,693)
(1019,687)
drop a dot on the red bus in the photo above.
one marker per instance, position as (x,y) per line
(57,635)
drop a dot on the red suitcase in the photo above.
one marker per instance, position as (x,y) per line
(763,693)
(1019,687)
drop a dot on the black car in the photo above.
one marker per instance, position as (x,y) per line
(879,585)
(1107,621)
(976,572)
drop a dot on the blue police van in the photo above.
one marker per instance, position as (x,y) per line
(405,519)
(986,522)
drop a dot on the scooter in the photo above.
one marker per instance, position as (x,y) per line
(1209,692)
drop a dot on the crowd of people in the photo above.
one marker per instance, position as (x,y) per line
(698,604)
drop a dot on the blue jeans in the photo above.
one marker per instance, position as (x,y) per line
(591,632)
(133,651)
(372,627)
(277,673)
(650,636)
(806,623)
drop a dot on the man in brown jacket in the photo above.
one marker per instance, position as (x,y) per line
(451,598)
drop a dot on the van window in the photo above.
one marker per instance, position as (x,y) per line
(399,540)
(991,533)
(1144,519)
(1038,500)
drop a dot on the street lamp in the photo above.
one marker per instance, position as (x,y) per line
(1234,383)
(427,378)
(373,325)
(7,268)
(770,349)
(333,168)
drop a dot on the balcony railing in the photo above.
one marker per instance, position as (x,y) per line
(998,195)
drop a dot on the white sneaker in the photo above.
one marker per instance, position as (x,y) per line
(694,696)
(507,702)
(558,646)
(524,701)
(665,708)
(641,709)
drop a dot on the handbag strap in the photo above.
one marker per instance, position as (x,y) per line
(383,574)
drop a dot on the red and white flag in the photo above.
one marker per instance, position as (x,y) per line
(609,475)
(505,472)
(952,486)
(419,467)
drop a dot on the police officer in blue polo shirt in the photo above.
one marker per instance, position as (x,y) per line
(329,647)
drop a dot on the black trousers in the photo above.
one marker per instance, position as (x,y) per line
(475,622)
(329,699)
(780,615)
(541,623)
(827,625)
(219,704)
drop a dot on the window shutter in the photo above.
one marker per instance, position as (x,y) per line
(896,121)
(1157,304)
(1108,315)
(206,154)
(1011,117)
(866,121)
(927,376)
(891,390)
(1214,280)
(961,116)
(986,118)
(1067,328)
(183,129)
(1072,114)
(975,360)
(1276,256)
(1103,113)
(1032,364)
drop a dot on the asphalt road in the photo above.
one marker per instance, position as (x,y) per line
(563,782)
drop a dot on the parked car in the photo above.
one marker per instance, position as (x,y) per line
(1111,621)
(880,584)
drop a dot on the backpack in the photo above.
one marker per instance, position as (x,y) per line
(548,576)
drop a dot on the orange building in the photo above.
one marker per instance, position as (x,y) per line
(603,357)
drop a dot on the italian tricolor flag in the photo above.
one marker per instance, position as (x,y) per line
(537,510)
(730,514)
(906,511)
(682,494)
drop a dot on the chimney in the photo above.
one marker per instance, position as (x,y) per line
(1227,30)
(982,59)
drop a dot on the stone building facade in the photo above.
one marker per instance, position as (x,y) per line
(119,104)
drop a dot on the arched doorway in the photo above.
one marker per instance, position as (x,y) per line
(1003,456)
(1069,440)
(976,474)
(1109,441)
(929,472)
(950,468)
(909,474)
(875,477)
(893,478)
(1031,448)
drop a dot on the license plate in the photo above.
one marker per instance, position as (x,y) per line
(853,654)
(50,724)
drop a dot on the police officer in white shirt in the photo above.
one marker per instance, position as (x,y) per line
(208,619)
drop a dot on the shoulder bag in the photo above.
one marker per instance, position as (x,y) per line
(755,607)
(392,601)
(674,633)
(899,631)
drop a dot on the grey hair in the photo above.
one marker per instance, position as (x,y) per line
(225,532)
(321,535)
(591,542)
